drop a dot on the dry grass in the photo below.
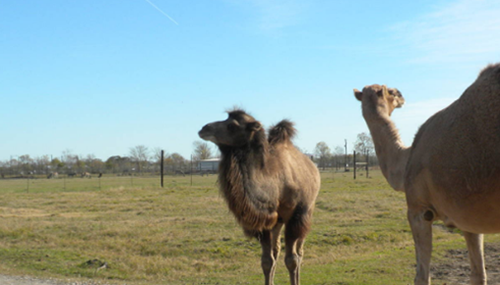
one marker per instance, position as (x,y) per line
(184,234)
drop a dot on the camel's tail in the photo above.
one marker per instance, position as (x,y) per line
(282,132)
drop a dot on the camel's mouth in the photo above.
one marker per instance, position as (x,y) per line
(210,138)
(207,137)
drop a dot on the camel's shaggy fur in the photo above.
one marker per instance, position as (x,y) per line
(267,183)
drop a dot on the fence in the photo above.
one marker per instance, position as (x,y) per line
(361,165)
(65,183)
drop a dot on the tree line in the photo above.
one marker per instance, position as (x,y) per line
(341,157)
(142,160)
(139,160)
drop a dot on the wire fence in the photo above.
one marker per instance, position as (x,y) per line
(360,165)
(65,183)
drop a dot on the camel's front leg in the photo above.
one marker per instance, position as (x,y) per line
(270,242)
(421,229)
(267,260)
(476,255)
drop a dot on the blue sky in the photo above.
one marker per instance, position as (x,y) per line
(100,77)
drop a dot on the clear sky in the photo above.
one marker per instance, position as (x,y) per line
(101,76)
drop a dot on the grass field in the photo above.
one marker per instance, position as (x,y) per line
(184,234)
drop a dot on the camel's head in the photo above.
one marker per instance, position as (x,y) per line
(379,99)
(238,130)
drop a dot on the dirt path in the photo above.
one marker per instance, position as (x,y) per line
(456,269)
(26,280)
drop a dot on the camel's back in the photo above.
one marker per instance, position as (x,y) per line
(460,145)
(298,172)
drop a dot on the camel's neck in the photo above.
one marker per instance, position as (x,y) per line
(246,161)
(391,152)
(240,178)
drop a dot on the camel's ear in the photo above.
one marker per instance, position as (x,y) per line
(254,126)
(380,93)
(394,92)
(358,94)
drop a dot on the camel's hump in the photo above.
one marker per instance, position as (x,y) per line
(282,132)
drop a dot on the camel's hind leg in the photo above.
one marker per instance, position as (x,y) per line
(475,246)
(421,229)
(293,259)
(271,245)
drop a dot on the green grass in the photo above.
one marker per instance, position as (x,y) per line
(184,234)
(64,184)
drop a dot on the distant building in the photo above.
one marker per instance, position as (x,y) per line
(209,165)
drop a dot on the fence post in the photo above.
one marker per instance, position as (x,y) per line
(161,167)
(354,164)
(367,163)
(191,170)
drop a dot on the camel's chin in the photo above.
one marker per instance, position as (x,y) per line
(209,138)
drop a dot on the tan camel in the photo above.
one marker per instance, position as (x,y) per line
(53,175)
(452,170)
(86,175)
(267,183)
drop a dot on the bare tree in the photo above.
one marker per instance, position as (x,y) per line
(202,150)
(42,163)
(322,153)
(338,156)
(71,161)
(339,151)
(139,154)
(156,154)
(364,144)
(26,164)
(80,164)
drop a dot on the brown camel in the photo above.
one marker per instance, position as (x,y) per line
(452,170)
(267,183)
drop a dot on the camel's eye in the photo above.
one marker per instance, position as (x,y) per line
(232,128)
